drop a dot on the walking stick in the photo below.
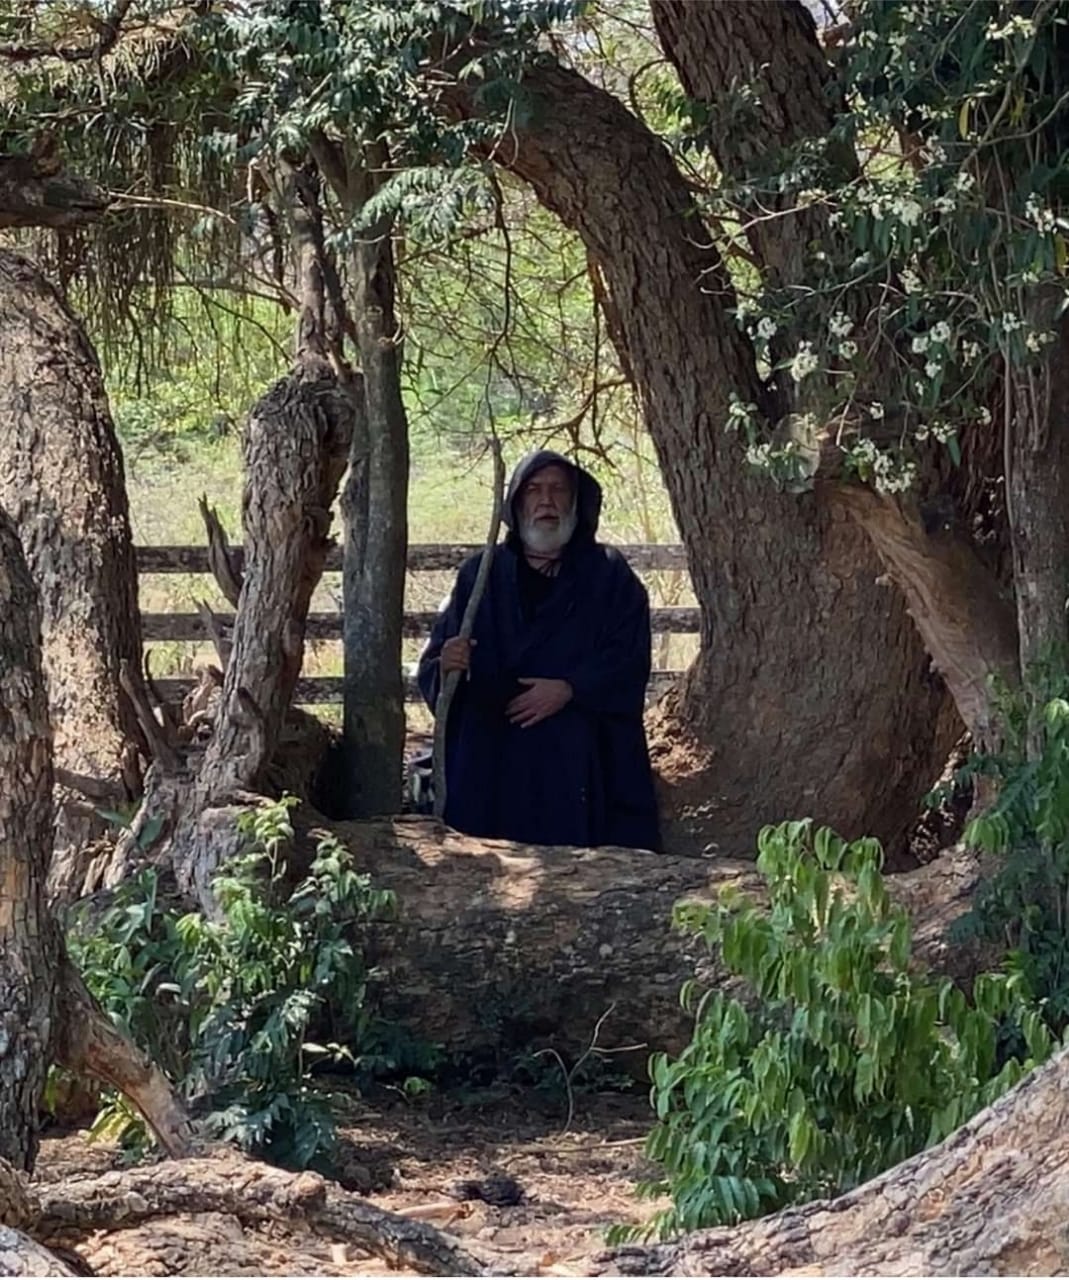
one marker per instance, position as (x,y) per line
(449,684)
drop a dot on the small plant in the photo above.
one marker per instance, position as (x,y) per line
(228,1007)
(1024,906)
(845,1060)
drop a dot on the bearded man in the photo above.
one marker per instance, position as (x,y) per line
(545,740)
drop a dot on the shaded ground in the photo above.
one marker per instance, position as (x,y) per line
(408,1157)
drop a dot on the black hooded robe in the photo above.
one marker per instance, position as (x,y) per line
(582,776)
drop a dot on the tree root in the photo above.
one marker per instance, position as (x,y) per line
(228,1183)
(992,1199)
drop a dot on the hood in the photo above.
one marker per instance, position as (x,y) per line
(588,493)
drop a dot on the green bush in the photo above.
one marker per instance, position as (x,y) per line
(227,1007)
(1024,906)
(845,1057)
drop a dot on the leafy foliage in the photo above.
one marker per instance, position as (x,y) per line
(845,1060)
(1024,906)
(228,1007)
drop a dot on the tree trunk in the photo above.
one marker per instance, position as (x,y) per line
(36,192)
(992,1199)
(810,680)
(1038,482)
(28,943)
(374,504)
(496,946)
(61,480)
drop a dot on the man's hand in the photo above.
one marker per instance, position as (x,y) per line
(544,698)
(456,655)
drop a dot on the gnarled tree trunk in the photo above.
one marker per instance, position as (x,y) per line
(810,679)
(61,480)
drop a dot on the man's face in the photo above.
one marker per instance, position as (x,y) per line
(547,509)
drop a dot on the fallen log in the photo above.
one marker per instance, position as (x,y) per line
(992,1199)
(498,945)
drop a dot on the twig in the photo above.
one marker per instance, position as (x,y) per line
(467,624)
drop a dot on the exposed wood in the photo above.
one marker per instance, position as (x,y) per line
(21,1255)
(992,1199)
(253,1193)
(676,620)
(88,1043)
(223,564)
(963,615)
(421,558)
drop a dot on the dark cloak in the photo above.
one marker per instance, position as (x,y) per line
(582,776)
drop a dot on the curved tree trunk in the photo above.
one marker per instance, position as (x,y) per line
(28,943)
(61,481)
(810,679)
(992,1199)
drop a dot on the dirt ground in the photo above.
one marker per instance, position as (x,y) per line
(409,1157)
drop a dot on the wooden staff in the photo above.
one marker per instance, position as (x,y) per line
(452,679)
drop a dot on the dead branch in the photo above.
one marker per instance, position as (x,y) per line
(221,561)
(163,750)
(216,630)
(89,1044)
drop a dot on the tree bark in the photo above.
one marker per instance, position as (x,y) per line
(496,946)
(36,192)
(253,1193)
(1037,483)
(28,943)
(992,1199)
(374,502)
(810,679)
(61,480)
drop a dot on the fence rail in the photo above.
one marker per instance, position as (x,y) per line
(422,558)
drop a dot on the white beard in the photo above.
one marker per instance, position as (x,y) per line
(546,539)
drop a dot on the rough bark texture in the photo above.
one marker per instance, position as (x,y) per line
(253,1193)
(497,945)
(61,480)
(35,192)
(810,678)
(374,504)
(295,445)
(1038,467)
(993,1199)
(28,944)
(720,45)
(964,617)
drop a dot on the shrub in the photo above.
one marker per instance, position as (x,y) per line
(844,1059)
(227,1007)
(1024,906)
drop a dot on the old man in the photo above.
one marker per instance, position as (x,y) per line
(545,740)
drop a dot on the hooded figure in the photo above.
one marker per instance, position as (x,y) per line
(545,741)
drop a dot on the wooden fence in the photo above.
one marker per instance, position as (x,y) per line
(422,558)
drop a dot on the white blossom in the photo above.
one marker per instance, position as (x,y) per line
(964,181)
(1032,342)
(1011,323)
(876,410)
(943,204)
(933,368)
(805,362)
(970,350)
(848,349)
(910,280)
(985,416)
(766,327)
(1018,25)
(920,344)
(1041,217)
(941,332)
(907,211)
(840,324)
